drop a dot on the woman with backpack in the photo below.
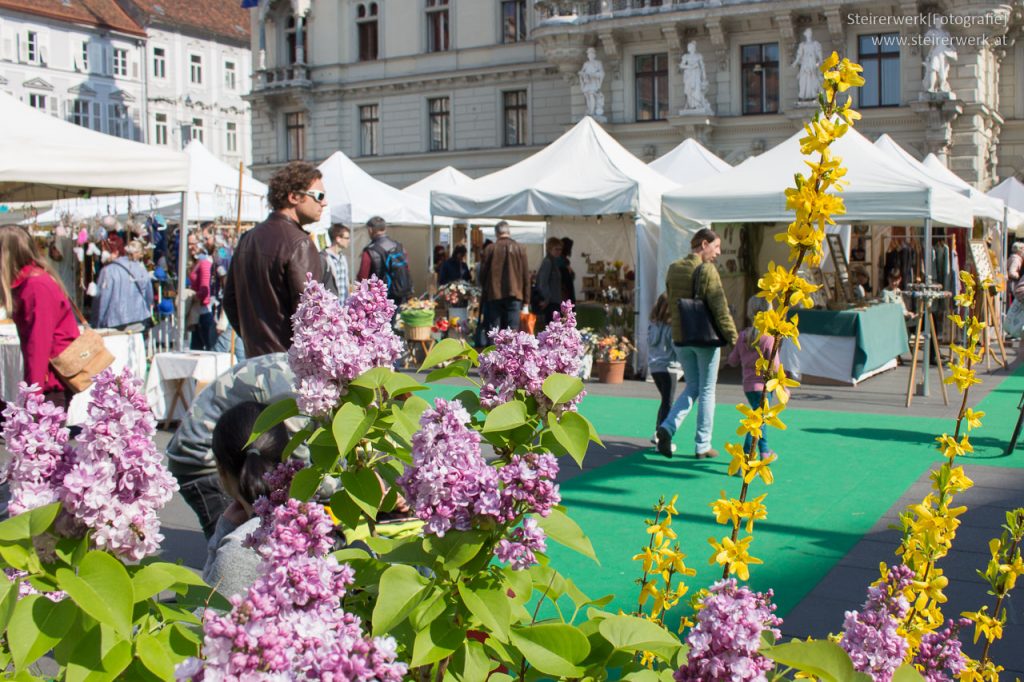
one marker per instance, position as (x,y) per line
(385,258)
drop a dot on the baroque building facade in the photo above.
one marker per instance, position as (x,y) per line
(408,86)
(162,72)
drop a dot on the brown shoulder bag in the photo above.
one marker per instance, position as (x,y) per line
(81,361)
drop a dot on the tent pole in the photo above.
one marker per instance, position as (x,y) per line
(1005,253)
(927,306)
(430,253)
(182,267)
(638,293)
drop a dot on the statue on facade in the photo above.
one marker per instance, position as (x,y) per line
(808,58)
(591,79)
(936,64)
(695,80)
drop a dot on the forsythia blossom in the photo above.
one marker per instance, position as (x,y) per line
(333,343)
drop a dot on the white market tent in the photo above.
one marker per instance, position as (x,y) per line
(212,194)
(1011,192)
(689,162)
(43,158)
(354,196)
(1013,218)
(585,172)
(443,179)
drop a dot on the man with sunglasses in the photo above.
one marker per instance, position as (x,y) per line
(268,271)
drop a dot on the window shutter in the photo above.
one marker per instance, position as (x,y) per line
(8,46)
(108,60)
(54,105)
(22,48)
(67,110)
(97,117)
(135,68)
(44,49)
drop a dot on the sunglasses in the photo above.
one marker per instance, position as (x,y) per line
(316,195)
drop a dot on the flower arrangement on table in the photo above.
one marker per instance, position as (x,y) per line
(613,349)
(458,294)
(417,312)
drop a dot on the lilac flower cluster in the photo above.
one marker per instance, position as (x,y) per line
(870,636)
(449,483)
(113,482)
(37,439)
(528,483)
(725,641)
(520,361)
(519,548)
(25,588)
(332,343)
(939,655)
(118,481)
(290,625)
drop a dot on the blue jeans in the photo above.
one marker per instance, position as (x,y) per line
(700,372)
(502,313)
(207,499)
(754,398)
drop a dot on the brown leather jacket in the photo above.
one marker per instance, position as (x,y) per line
(265,280)
(504,272)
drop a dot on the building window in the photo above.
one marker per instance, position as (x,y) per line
(196,69)
(84,58)
(37,101)
(366,25)
(439,122)
(290,31)
(160,128)
(117,120)
(369,130)
(759,65)
(120,62)
(229,75)
(197,129)
(515,117)
(80,112)
(651,73)
(437,25)
(879,54)
(513,21)
(295,136)
(32,47)
(231,136)
(159,62)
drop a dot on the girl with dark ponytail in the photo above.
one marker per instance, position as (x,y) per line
(230,567)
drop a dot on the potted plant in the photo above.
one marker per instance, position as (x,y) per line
(589,338)
(458,296)
(610,358)
(417,315)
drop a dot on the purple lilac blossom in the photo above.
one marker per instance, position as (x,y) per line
(725,641)
(939,655)
(870,636)
(528,484)
(290,624)
(449,483)
(520,361)
(332,343)
(25,588)
(37,440)
(519,548)
(118,482)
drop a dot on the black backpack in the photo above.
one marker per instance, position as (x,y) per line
(392,266)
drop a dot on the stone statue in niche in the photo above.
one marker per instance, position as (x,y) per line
(936,64)
(695,81)
(591,79)
(808,58)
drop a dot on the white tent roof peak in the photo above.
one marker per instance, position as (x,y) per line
(354,196)
(689,161)
(584,172)
(444,178)
(1010,190)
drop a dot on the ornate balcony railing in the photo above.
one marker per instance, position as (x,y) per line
(294,75)
(555,10)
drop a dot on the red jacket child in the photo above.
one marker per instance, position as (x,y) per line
(46,324)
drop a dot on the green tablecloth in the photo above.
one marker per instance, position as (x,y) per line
(880,332)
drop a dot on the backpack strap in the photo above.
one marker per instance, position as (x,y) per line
(695,281)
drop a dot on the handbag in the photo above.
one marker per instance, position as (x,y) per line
(698,324)
(83,359)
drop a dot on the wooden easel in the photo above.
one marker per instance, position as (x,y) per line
(924,309)
(836,251)
(992,324)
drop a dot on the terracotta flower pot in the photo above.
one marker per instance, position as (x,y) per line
(610,371)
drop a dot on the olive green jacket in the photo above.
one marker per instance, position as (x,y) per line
(679,284)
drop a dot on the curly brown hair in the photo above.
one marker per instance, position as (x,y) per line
(297,176)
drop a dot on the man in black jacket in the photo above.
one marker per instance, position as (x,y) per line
(269,267)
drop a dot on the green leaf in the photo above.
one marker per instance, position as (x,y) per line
(397,383)
(271,416)
(363,488)
(305,483)
(444,350)
(8,600)
(459,368)
(401,588)
(372,378)
(102,589)
(563,530)
(297,439)
(98,657)
(344,507)
(630,633)
(152,654)
(907,673)
(36,626)
(821,658)
(457,547)
(552,648)
(151,580)
(470,663)
(470,400)
(561,388)
(573,433)
(349,426)
(505,417)
(438,641)
(29,524)
(490,607)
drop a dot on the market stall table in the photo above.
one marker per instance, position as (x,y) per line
(128,349)
(847,346)
(175,378)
